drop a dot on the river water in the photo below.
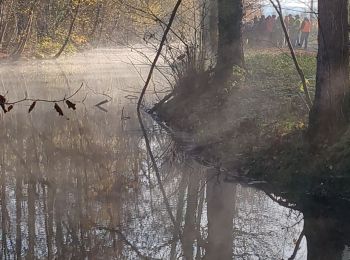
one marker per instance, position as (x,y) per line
(81,186)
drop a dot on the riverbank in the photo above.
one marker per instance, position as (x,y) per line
(256,131)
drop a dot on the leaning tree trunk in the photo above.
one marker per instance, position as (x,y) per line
(70,31)
(230,47)
(328,117)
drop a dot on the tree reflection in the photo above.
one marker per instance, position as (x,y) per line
(58,180)
(327,229)
(220,211)
(85,189)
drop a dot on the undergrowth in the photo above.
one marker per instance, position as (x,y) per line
(260,130)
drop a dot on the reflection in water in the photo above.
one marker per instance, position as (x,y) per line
(84,188)
(220,211)
(327,229)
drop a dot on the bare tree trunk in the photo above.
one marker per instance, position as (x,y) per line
(230,46)
(97,20)
(3,23)
(213,25)
(329,115)
(312,5)
(209,32)
(69,31)
(42,23)
(24,36)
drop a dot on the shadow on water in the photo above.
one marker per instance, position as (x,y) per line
(84,188)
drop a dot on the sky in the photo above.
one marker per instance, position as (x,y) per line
(290,6)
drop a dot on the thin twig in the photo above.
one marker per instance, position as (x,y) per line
(46,100)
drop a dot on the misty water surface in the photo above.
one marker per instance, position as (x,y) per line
(81,186)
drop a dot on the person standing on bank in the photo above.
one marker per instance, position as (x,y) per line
(305,29)
(294,32)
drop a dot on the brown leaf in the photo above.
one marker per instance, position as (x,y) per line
(71,105)
(58,109)
(31,107)
(9,108)
(2,103)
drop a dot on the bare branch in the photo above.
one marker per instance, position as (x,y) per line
(278,9)
(46,100)
(139,103)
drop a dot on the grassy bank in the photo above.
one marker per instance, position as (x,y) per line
(258,131)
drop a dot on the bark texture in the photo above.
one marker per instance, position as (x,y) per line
(230,47)
(328,117)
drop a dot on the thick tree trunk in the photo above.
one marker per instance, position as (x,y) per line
(210,30)
(328,117)
(230,48)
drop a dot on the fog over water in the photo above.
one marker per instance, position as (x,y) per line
(81,186)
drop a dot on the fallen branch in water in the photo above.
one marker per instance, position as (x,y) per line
(139,103)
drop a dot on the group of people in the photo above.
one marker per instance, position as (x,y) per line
(268,31)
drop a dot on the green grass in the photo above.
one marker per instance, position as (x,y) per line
(289,164)
(277,72)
